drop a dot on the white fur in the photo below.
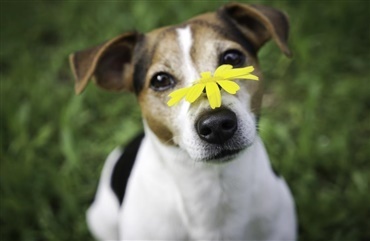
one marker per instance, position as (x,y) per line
(185,40)
(102,216)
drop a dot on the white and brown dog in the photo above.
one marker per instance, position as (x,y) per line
(197,173)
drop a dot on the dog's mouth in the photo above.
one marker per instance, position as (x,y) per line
(227,152)
(222,156)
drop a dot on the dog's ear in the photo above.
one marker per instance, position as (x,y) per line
(110,63)
(260,24)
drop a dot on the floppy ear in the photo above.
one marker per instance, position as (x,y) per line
(260,24)
(110,63)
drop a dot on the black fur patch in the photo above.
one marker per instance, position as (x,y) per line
(141,65)
(275,171)
(123,167)
(139,73)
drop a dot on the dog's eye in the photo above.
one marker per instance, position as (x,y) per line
(233,57)
(162,81)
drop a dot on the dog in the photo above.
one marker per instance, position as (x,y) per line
(197,173)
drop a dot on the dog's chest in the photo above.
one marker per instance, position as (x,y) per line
(212,207)
(208,201)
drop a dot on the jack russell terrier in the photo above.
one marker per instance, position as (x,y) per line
(197,173)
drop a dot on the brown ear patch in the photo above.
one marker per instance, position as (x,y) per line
(80,63)
(110,63)
(260,23)
(111,69)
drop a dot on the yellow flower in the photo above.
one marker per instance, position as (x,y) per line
(222,78)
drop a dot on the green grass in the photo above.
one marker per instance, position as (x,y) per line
(315,120)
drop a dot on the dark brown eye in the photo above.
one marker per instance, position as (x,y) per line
(233,57)
(162,81)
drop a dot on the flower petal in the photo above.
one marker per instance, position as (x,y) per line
(194,92)
(229,86)
(213,94)
(237,73)
(177,95)
(249,76)
(222,69)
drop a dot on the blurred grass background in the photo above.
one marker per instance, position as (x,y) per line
(315,122)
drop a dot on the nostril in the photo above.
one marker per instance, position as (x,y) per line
(205,131)
(228,125)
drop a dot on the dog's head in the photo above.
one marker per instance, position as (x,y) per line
(152,65)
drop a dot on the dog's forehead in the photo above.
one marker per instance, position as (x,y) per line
(165,47)
(201,27)
(204,27)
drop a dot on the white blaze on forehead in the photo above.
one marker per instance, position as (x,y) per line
(185,40)
(189,73)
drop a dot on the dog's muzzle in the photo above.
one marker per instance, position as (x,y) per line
(217,127)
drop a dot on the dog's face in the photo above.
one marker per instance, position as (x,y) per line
(180,54)
(155,64)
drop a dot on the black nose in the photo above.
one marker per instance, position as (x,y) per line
(217,127)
